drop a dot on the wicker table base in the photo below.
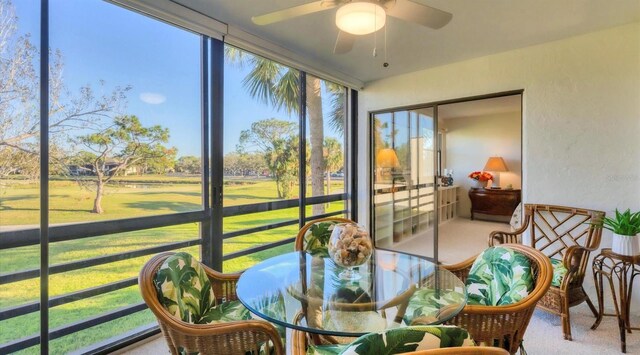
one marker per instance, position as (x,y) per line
(624,269)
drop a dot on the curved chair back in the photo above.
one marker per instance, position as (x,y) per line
(221,338)
(504,326)
(305,235)
(559,232)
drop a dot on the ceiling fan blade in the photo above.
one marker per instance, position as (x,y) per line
(291,12)
(344,43)
(421,14)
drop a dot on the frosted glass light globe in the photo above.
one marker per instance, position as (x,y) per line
(360,18)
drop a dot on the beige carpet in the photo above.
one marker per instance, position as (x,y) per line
(460,239)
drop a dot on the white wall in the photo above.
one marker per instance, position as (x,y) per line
(472,140)
(581,115)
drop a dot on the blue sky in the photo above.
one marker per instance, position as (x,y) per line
(100,41)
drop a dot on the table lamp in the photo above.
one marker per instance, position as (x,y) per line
(387,159)
(495,165)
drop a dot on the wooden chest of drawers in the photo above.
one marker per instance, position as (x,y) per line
(495,202)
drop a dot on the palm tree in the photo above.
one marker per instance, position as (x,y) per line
(278,85)
(333,158)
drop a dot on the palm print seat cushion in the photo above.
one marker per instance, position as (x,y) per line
(559,270)
(427,303)
(193,300)
(499,276)
(317,237)
(400,340)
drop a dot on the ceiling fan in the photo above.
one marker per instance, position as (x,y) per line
(360,17)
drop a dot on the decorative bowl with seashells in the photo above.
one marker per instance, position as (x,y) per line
(349,246)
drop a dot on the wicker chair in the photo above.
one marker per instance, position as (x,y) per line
(567,235)
(301,242)
(237,337)
(504,326)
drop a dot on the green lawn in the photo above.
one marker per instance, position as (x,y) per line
(137,196)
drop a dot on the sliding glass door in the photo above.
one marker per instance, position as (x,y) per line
(403,167)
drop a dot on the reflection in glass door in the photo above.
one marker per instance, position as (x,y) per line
(403,173)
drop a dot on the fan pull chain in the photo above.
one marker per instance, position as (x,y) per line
(375,33)
(385,64)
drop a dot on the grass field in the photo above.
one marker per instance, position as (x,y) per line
(138,196)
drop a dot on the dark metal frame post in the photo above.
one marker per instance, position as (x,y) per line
(217,138)
(436,191)
(302,142)
(206,249)
(353,154)
(44,176)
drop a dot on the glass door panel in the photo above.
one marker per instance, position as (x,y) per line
(403,165)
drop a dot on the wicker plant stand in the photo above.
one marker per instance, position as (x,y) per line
(609,265)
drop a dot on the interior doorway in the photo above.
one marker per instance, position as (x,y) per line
(423,199)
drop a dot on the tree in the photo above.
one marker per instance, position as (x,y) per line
(277,85)
(243,164)
(188,164)
(20,97)
(282,161)
(333,158)
(161,165)
(272,137)
(124,144)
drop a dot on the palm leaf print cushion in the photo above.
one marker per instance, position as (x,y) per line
(185,291)
(317,237)
(559,270)
(426,304)
(402,340)
(499,276)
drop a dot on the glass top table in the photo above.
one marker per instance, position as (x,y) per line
(301,291)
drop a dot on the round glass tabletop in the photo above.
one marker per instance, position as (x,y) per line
(302,291)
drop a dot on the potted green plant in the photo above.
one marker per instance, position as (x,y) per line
(626,232)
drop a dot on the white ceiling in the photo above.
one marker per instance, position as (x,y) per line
(484,107)
(478,28)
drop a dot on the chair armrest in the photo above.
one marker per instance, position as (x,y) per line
(299,342)
(574,254)
(573,261)
(504,237)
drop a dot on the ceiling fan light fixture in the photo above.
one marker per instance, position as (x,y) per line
(360,18)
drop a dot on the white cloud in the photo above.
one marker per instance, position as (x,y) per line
(152,98)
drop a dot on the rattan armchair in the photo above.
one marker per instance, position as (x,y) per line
(569,235)
(237,337)
(504,326)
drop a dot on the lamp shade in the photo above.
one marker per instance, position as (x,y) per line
(495,164)
(387,158)
(360,18)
